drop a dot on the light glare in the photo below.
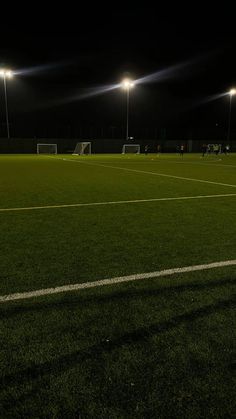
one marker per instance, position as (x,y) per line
(6,73)
(232,92)
(127,83)
(9,74)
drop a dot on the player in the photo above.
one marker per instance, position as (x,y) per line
(182,150)
(216,149)
(146,149)
(204,149)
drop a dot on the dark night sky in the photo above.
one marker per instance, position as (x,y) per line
(63,53)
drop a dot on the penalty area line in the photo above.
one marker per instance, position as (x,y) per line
(147,172)
(132,201)
(113,281)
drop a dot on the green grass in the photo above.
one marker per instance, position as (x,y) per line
(161,348)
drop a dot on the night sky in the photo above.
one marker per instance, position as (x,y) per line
(62,55)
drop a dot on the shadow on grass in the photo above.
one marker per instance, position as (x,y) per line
(71,300)
(64,363)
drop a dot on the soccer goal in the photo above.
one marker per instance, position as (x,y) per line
(131,148)
(82,148)
(46,148)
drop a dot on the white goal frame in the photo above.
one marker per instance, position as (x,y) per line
(82,147)
(131,145)
(42,145)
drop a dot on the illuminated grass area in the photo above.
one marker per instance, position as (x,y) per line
(159,348)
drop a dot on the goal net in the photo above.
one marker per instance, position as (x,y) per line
(82,148)
(46,148)
(131,148)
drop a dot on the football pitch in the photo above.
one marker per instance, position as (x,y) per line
(98,316)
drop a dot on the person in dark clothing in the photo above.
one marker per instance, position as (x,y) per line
(204,150)
(146,148)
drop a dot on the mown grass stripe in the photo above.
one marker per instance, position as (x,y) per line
(113,281)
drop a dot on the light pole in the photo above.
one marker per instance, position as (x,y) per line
(127,84)
(231,93)
(6,74)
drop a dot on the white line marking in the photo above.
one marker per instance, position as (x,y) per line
(148,173)
(211,163)
(133,201)
(112,281)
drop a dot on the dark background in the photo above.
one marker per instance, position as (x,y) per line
(62,53)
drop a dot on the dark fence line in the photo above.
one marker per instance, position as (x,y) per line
(29,145)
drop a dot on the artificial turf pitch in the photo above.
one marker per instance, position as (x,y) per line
(161,348)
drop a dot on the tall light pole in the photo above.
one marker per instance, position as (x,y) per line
(231,93)
(127,84)
(6,74)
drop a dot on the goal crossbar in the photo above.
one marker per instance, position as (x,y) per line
(43,148)
(131,148)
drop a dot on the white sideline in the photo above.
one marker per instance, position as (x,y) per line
(133,201)
(147,172)
(112,281)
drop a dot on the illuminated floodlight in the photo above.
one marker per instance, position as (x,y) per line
(232,92)
(6,73)
(9,73)
(127,83)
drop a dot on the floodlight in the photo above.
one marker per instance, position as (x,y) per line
(127,83)
(9,73)
(6,73)
(231,93)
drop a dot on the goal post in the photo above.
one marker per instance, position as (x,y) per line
(84,147)
(131,148)
(46,148)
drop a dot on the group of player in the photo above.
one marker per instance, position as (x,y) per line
(214,149)
(180,149)
(206,149)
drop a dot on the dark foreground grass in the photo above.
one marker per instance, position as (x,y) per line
(162,348)
(157,349)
